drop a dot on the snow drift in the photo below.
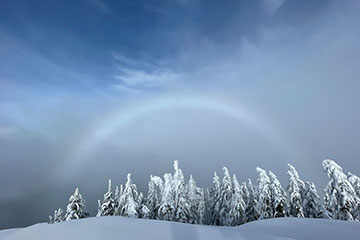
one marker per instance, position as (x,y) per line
(129,228)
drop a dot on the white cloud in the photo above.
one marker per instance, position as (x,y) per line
(142,74)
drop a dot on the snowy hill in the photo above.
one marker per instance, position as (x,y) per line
(129,229)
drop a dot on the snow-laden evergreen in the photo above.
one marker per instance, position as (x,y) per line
(252,212)
(355,182)
(278,196)
(226,196)
(76,208)
(182,206)
(167,209)
(294,195)
(340,198)
(312,205)
(237,211)
(264,205)
(152,200)
(227,202)
(130,199)
(194,197)
(300,183)
(107,208)
(216,200)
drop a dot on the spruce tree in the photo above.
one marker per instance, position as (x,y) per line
(237,212)
(182,206)
(215,201)
(300,183)
(264,204)
(130,199)
(152,200)
(76,208)
(108,206)
(226,196)
(252,213)
(355,181)
(340,199)
(202,209)
(193,197)
(312,205)
(294,196)
(278,195)
(167,209)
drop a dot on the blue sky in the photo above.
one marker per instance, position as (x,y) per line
(99,83)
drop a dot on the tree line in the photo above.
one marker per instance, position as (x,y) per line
(228,202)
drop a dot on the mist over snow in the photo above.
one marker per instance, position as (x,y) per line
(93,89)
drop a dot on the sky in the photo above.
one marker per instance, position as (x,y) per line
(94,89)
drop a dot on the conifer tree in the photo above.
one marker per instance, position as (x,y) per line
(215,201)
(355,181)
(340,199)
(300,183)
(152,200)
(264,204)
(294,196)
(237,212)
(244,193)
(58,216)
(312,205)
(226,196)
(76,208)
(130,199)
(252,213)
(143,210)
(202,209)
(167,209)
(182,206)
(108,206)
(278,195)
(193,197)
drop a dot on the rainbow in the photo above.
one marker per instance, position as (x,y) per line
(124,116)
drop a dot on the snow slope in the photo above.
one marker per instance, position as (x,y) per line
(129,229)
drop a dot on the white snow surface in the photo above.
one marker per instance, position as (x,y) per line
(129,228)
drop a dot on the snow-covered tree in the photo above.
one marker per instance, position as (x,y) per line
(300,183)
(76,208)
(152,200)
(264,204)
(215,201)
(355,181)
(167,209)
(252,213)
(294,196)
(58,216)
(202,209)
(130,199)
(193,196)
(182,206)
(278,195)
(108,206)
(340,199)
(244,193)
(237,212)
(226,196)
(143,210)
(312,205)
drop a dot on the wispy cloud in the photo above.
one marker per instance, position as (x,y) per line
(271,6)
(139,74)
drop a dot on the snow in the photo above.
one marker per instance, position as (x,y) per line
(115,227)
